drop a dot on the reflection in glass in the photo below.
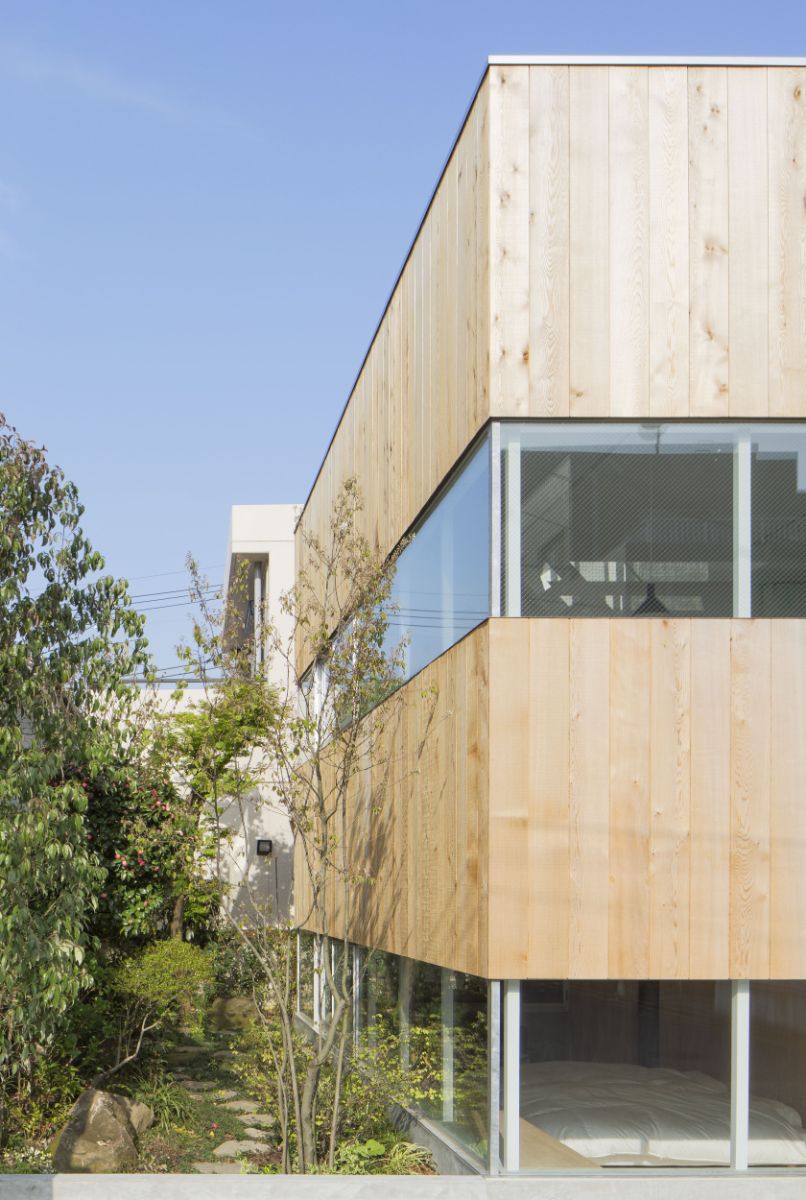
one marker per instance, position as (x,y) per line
(777,1073)
(625,1074)
(438,1020)
(617,519)
(441,588)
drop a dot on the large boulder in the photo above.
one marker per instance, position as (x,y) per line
(100,1134)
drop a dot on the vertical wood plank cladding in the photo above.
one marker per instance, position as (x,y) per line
(628,889)
(787,240)
(548,242)
(509,240)
(589,770)
(482,197)
(749,251)
(548,797)
(750,800)
(418,824)
(708,241)
(670,791)
(668,242)
(509,823)
(589,283)
(628,163)
(788,813)
(709,894)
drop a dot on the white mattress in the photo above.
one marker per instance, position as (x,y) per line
(615,1112)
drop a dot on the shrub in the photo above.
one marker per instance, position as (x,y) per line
(170,1102)
(168,983)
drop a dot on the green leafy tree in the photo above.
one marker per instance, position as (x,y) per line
(328,732)
(69,639)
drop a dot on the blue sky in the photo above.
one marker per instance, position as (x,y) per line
(203,207)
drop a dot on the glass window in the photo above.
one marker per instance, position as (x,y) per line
(777,1137)
(779,521)
(305,974)
(624,1074)
(612,519)
(427,1028)
(441,588)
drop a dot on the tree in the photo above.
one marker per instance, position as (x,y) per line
(69,638)
(327,734)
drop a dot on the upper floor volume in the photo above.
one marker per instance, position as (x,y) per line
(615,258)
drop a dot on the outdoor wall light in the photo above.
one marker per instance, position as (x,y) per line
(264,847)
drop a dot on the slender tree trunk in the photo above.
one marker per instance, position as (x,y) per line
(178,918)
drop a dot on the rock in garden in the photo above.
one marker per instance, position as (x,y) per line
(244,1106)
(100,1134)
(258,1118)
(233,1147)
(198,1085)
(233,1012)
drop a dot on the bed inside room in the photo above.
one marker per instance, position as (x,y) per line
(638,1074)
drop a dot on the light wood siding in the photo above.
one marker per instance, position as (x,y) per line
(620,241)
(593,799)
(668,770)
(423,391)
(417,826)
(667,211)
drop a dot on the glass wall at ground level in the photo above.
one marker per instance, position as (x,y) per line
(427,1027)
(696,1074)
(777,1073)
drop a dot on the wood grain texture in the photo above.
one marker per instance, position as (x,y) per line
(787,807)
(708,241)
(509,241)
(668,242)
(588,799)
(670,793)
(604,242)
(592,799)
(628,166)
(709,726)
(748,304)
(787,239)
(750,800)
(548,242)
(588,243)
(628,816)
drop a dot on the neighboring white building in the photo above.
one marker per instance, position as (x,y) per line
(261,551)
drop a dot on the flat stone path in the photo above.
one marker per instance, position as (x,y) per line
(232,1147)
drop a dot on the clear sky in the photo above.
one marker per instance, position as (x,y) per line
(203,207)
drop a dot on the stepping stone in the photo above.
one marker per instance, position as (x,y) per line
(225,1094)
(198,1085)
(233,1147)
(219,1168)
(244,1106)
(258,1118)
(254,1133)
(224,1054)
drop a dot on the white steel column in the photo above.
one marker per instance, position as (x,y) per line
(512,1074)
(448,985)
(739,1072)
(494,1074)
(742,520)
(513,529)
